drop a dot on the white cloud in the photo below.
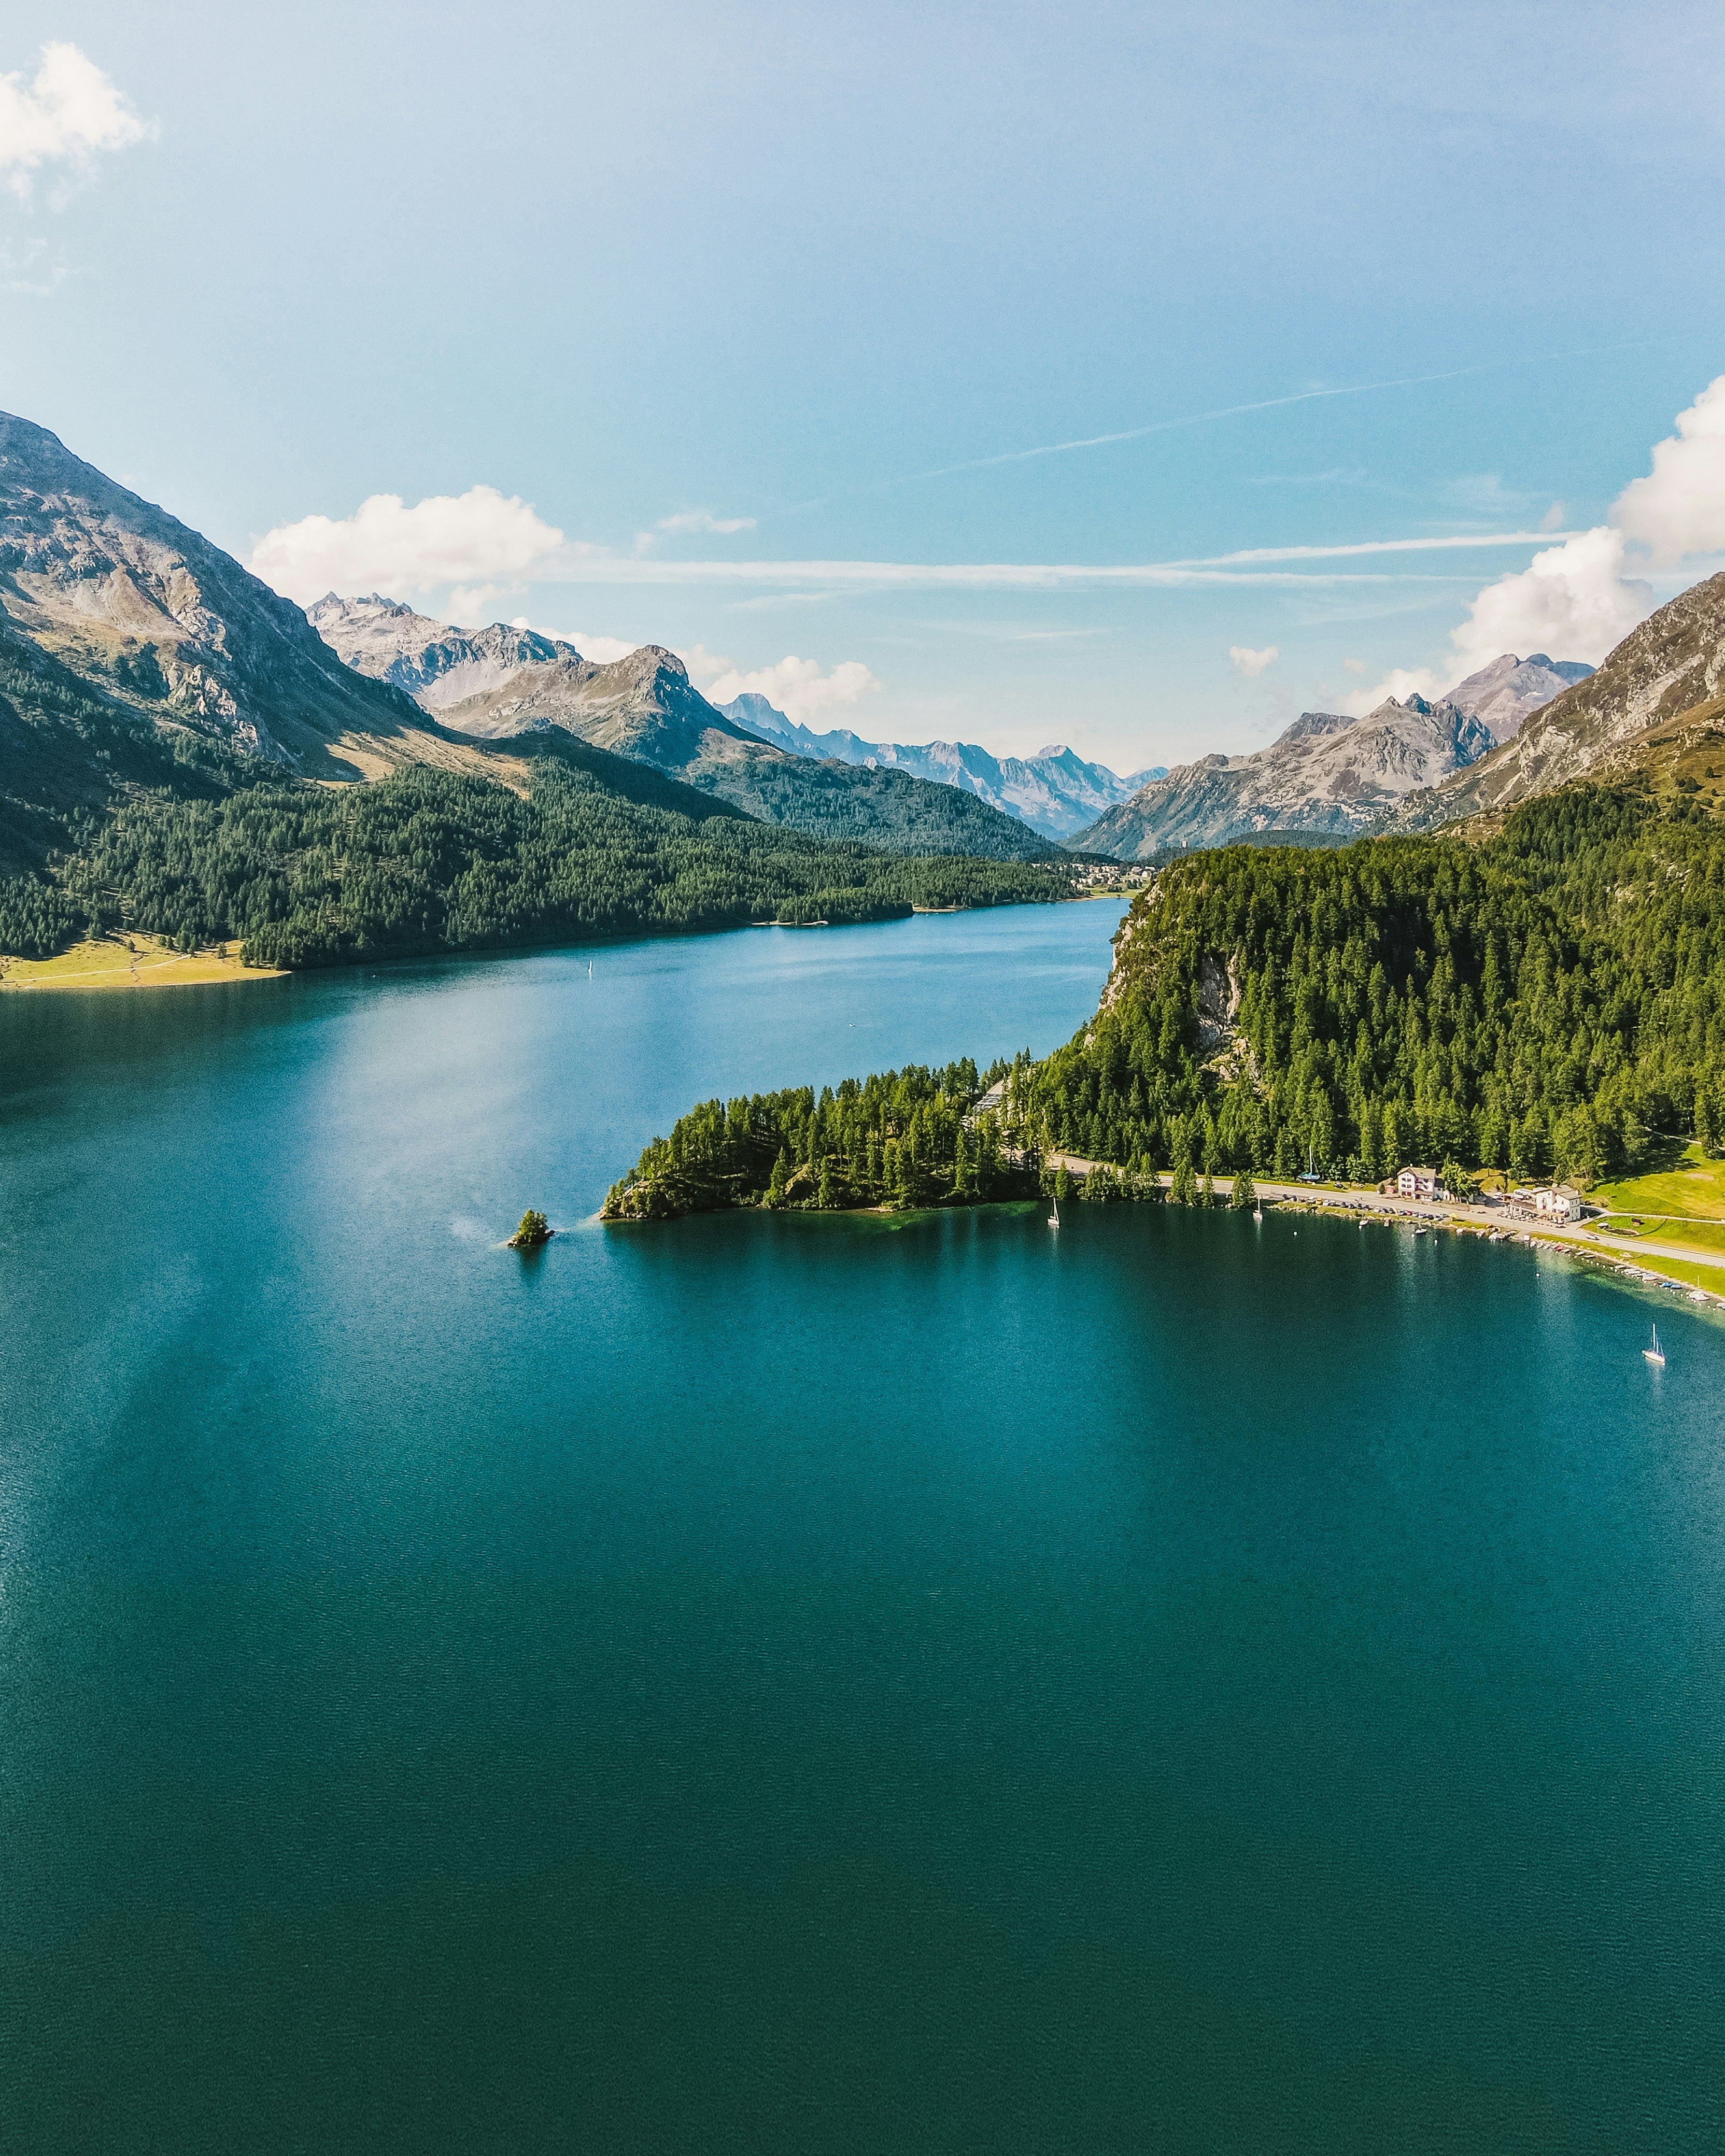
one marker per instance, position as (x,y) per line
(1401,682)
(797,686)
(600,650)
(1353,665)
(1571,601)
(1252,663)
(597,565)
(31,268)
(1552,520)
(703,665)
(1679,508)
(703,520)
(69,113)
(482,541)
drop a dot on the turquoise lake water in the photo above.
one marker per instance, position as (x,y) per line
(783,1684)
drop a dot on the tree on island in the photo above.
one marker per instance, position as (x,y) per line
(535,1229)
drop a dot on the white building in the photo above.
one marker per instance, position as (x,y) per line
(1417,1183)
(1561,1203)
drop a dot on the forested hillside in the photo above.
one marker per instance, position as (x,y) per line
(1543,1002)
(66,752)
(442,860)
(1537,1004)
(899,1139)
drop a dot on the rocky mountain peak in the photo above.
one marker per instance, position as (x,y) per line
(437,663)
(1310,724)
(1326,774)
(92,574)
(647,659)
(1506,694)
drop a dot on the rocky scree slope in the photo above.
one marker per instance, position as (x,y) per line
(1602,726)
(162,627)
(645,707)
(1327,773)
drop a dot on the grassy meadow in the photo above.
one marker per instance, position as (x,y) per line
(132,961)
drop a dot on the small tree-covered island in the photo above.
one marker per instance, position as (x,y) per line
(1543,1000)
(534,1232)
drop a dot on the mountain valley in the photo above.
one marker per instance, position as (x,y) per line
(1055,791)
(503,683)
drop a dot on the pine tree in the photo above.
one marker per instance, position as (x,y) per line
(1245,1195)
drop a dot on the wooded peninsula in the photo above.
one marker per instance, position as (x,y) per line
(1548,1001)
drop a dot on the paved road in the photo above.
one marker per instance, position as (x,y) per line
(1415,1209)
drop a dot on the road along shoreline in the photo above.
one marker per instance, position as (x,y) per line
(1651,1259)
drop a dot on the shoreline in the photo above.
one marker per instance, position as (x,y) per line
(1363,1203)
(18,973)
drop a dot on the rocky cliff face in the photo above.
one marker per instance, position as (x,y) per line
(437,663)
(1327,773)
(1055,792)
(1506,694)
(1674,661)
(160,623)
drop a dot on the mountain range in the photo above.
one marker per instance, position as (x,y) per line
(1055,791)
(1332,773)
(1667,674)
(138,661)
(504,682)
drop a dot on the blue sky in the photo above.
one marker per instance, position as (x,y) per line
(824,275)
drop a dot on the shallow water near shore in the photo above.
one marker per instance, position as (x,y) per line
(786,1683)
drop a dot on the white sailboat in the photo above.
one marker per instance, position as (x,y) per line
(1655,1353)
(1054,1218)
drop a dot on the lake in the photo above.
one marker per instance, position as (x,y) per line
(782,1684)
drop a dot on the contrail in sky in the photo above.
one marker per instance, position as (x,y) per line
(1235,411)
(1169,426)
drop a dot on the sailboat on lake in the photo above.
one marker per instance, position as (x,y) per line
(1054,1218)
(1655,1353)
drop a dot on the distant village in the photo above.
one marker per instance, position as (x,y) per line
(1114,876)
